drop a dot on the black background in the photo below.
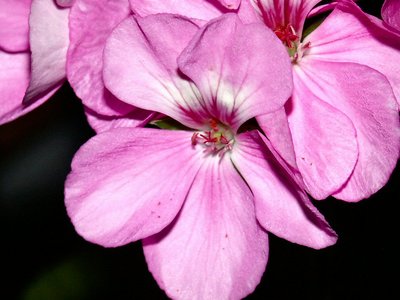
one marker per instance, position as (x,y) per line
(43,258)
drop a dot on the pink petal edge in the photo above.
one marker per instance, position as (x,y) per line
(49,42)
(282,208)
(85,53)
(247,73)
(366,98)
(215,248)
(129,183)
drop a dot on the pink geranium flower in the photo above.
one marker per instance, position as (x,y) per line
(33,45)
(201,199)
(343,115)
(85,53)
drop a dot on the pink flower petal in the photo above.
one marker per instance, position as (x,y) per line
(324,139)
(140,66)
(349,35)
(137,118)
(282,208)
(241,70)
(14,79)
(276,127)
(366,98)
(49,43)
(14,25)
(197,9)
(320,9)
(248,14)
(127,183)
(90,23)
(215,248)
(284,12)
(391,13)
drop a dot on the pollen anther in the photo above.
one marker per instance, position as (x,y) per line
(287,35)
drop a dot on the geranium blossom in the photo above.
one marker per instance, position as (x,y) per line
(345,129)
(342,115)
(201,199)
(33,45)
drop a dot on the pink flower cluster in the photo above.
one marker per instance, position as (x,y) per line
(265,112)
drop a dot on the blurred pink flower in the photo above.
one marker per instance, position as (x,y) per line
(201,199)
(33,46)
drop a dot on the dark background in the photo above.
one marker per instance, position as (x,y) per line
(43,258)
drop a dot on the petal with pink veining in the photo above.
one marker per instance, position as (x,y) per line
(14,79)
(391,13)
(247,13)
(366,98)
(129,183)
(14,25)
(137,118)
(90,24)
(140,66)
(325,140)
(49,42)
(281,13)
(349,35)
(215,248)
(197,9)
(241,70)
(276,127)
(282,208)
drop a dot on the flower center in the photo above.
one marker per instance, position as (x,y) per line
(219,139)
(287,35)
(291,40)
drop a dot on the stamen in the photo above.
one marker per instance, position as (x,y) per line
(208,138)
(287,35)
(217,140)
(301,50)
(194,138)
(291,40)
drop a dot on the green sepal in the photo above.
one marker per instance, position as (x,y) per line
(311,27)
(168,123)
